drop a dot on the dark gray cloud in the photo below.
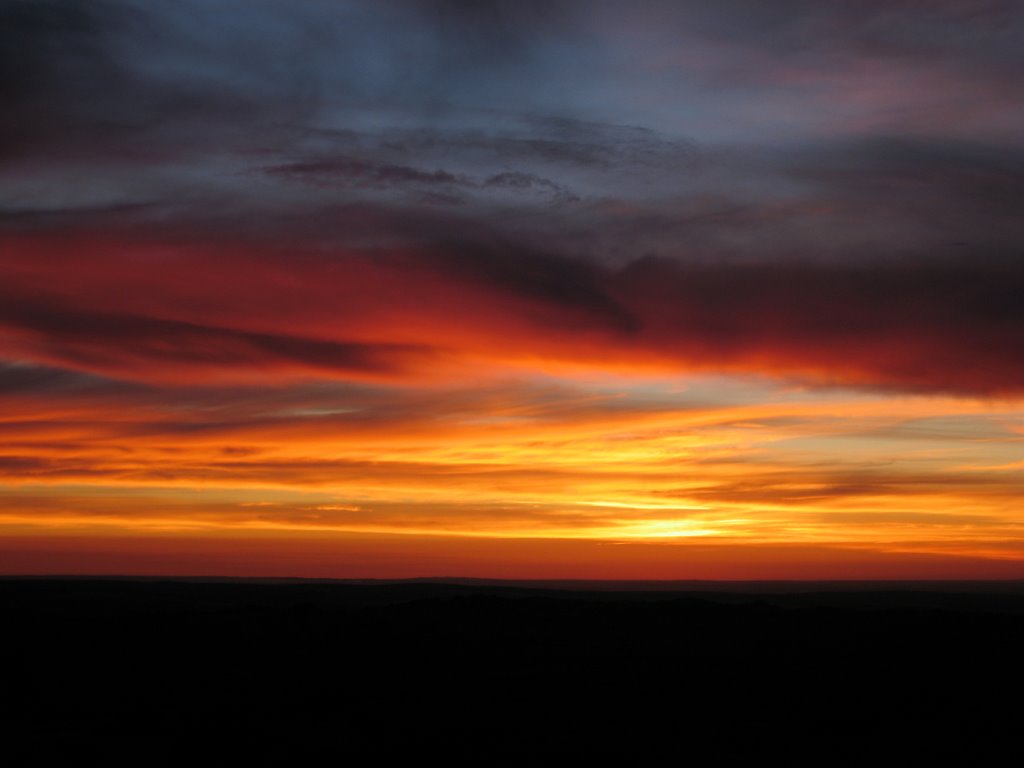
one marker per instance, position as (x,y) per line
(345,171)
(118,81)
(118,342)
(32,380)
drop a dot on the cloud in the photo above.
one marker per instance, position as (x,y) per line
(741,270)
(510,460)
(345,171)
(117,343)
(940,327)
(129,81)
(116,81)
(146,310)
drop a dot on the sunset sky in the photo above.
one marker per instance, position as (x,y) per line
(510,288)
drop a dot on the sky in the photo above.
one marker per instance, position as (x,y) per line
(512,289)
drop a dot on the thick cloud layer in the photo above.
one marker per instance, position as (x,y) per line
(137,309)
(829,191)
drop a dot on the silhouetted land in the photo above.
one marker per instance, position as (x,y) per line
(309,673)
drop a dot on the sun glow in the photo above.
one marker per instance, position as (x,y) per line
(574,459)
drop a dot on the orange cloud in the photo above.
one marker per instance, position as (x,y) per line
(602,460)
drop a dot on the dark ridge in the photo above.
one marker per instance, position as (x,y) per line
(287,672)
(988,595)
(767,586)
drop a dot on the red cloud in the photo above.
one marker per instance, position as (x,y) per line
(173,311)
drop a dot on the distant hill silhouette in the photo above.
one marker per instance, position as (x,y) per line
(281,672)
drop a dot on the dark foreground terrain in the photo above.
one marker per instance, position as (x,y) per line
(185,672)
